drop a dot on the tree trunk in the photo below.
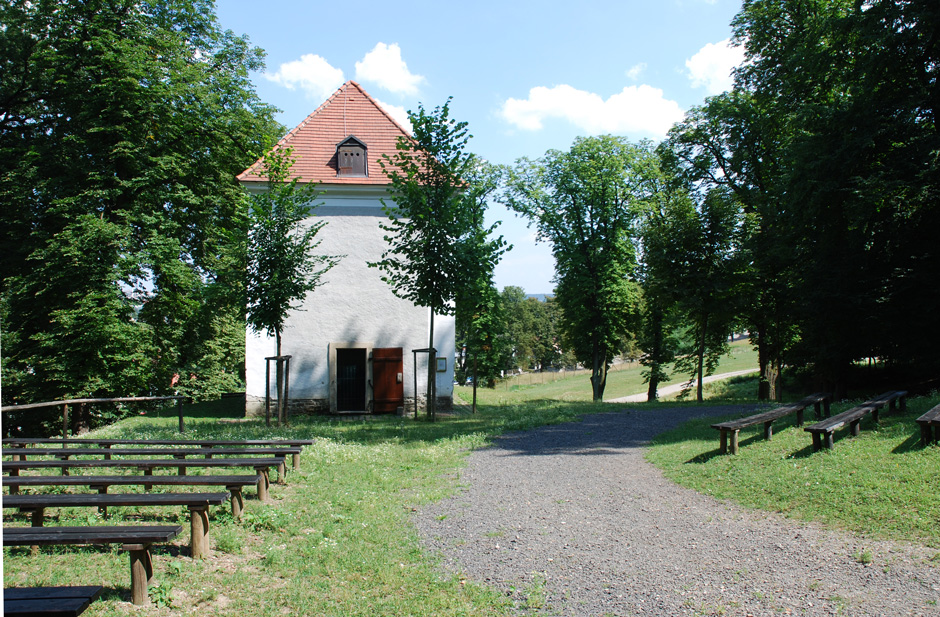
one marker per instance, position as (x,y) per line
(474,408)
(652,393)
(432,372)
(764,385)
(279,378)
(598,372)
(701,360)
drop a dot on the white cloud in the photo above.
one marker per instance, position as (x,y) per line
(399,113)
(637,109)
(310,73)
(711,67)
(636,70)
(384,66)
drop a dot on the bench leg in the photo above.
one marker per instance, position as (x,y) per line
(263,483)
(799,415)
(734,442)
(855,428)
(874,417)
(817,442)
(903,401)
(816,407)
(141,571)
(148,472)
(826,403)
(37,516)
(282,472)
(926,433)
(296,458)
(199,531)
(237,501)
(830,438)
(768,430)
(723,448)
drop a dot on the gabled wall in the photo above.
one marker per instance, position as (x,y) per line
(353,305)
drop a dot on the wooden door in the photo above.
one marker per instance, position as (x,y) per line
(388,379)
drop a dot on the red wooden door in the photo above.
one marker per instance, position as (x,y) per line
(388,393)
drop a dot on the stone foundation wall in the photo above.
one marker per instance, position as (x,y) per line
(254,406)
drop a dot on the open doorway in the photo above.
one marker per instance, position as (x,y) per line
(350,380)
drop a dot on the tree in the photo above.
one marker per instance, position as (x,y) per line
(122,127)
(693,254)
(730,142)
(282,266)
(853,88)
(438,244)
(586,202)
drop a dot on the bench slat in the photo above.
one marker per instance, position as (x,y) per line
(41,593)
(65,500)
(51,607)
(93,480)
(49,536)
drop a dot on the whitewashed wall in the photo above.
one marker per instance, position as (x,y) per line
(352,305)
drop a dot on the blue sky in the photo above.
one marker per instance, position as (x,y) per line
(527,76)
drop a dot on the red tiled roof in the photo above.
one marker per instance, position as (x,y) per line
(350,111)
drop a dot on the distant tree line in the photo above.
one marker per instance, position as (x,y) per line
(802,206)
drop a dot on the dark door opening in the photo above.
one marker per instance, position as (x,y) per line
(350,380)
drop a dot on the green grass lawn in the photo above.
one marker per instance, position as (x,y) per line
(337,539)
(620,382)
(882,484)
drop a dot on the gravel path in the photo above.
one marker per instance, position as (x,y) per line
(572,520)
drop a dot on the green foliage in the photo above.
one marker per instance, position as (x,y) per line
(438,245)
(282,264)
(122,127)
(586,202)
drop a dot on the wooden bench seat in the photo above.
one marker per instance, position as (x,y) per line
(135,540)
(260,465)
(49,601)
(930,426)
(197,504)
(732,427)
(823,432)
(202,443)
(234,484)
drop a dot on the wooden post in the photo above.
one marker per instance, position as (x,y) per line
(267,392)
(179,411)
(263,483)
(141,571)
(237,501)
(199,531)
(286,389)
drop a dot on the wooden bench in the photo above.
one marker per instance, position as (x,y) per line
(62,453)
(234,484)
(201,443)
(823,432)
(260,465)
(49,601)
(197,504)
(135,540)
(732,427)
(930,426)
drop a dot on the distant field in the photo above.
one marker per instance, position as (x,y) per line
(622,380)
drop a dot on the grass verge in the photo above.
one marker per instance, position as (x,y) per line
(336,540)
(882,484)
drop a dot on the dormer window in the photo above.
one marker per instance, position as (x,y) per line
(351,159)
